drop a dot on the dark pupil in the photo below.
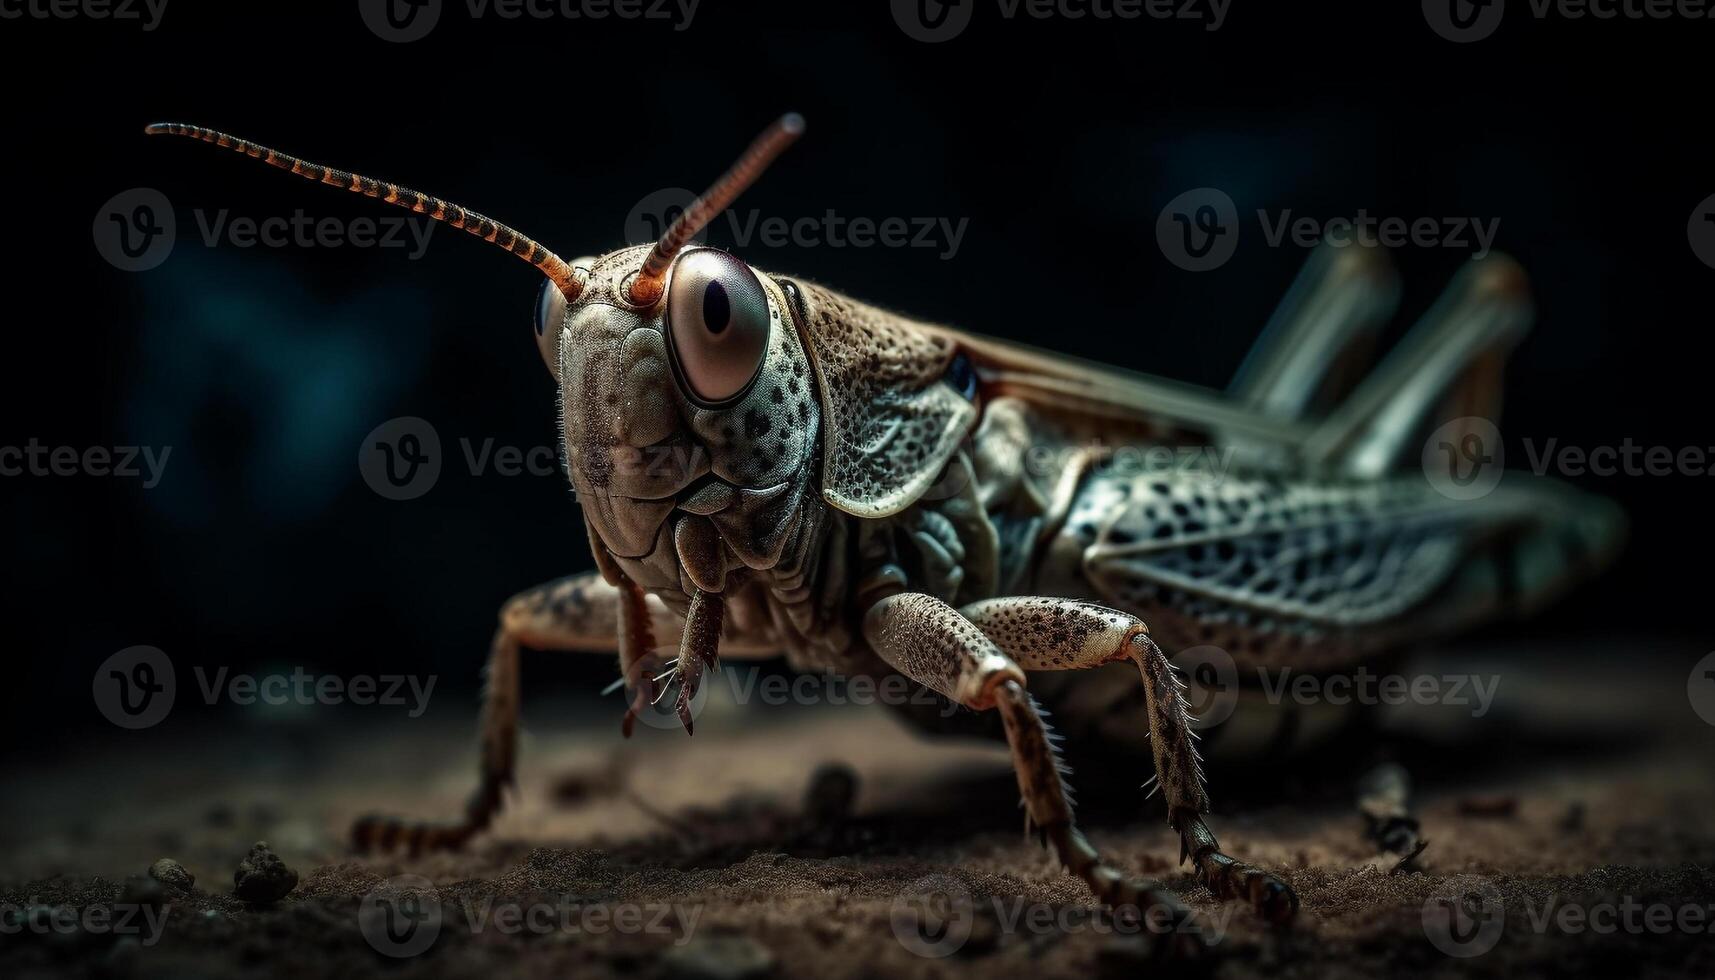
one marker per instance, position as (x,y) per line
(717,309)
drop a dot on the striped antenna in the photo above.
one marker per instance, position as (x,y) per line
(646,287)
(483,227)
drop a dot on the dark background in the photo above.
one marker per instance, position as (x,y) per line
(1061,141)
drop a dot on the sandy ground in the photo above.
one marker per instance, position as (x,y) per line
(1581,817)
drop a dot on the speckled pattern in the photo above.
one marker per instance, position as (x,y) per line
(1046,633)
(1275,570)
(891,422)
(928,641)
(684,498)
(1049,633)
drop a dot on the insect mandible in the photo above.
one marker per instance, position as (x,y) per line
(769,467)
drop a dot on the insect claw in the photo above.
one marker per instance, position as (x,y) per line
(684,707)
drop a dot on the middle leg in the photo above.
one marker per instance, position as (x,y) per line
(1046,633)
(928,641)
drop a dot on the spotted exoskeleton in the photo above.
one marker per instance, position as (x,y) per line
(768,467)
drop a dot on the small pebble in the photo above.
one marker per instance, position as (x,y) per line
(1491,807)
(262,878)
(831,795)
(719,958)
(172,874)
(143,893)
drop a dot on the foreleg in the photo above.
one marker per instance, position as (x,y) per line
(580,613)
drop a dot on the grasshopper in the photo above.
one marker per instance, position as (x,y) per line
(767,466)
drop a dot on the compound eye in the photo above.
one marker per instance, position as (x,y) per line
(717,326)
(550,316)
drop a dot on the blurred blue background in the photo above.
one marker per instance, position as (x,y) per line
(262,368)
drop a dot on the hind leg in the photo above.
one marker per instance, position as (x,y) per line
(1041,633)
(1451,360)
(1317,342)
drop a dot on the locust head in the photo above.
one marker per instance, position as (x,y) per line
(710,411)
(690,424)
(689,414)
